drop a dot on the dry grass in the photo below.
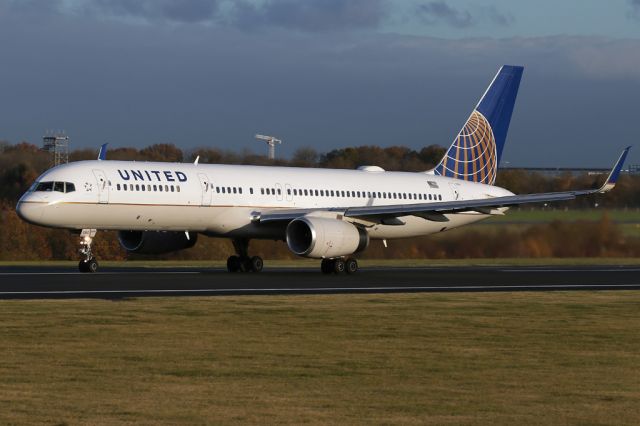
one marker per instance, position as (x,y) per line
(506,358)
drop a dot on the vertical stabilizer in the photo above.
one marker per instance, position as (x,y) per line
(476,151)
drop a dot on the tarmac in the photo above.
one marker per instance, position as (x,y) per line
(33,282)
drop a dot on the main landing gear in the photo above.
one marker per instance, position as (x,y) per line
(339,265)
(242,262)
(89,263)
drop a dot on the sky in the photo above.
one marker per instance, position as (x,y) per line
(324,74)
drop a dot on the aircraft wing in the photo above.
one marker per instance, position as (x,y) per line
(436,211)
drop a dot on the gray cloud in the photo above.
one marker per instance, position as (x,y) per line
(182,11)
(109,80)
(499,18)
(439,11)
(635,9)
(312,15)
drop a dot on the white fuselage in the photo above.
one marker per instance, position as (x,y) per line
(223,200)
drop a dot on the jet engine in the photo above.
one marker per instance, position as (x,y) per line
(319,237)
(155,242)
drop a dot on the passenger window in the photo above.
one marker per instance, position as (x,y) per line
(222,189)
(178,188)
(166,188)
(250,190)
(440,197)
(288,191)
(262,191)
(234,189)
(142,187)
(306,192)
(295,192)
(332,193)
(279,191)
(228,190)
(155,188)
(118,187)
(149,188)
(124,187)
(172,188)
(342,193)
(240,190)
(160,188)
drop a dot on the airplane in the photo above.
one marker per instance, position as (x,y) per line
(326,214)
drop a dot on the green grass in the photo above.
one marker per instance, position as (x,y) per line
(473,358)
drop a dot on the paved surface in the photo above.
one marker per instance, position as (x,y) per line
(113,283)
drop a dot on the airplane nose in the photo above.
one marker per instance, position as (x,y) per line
(30,212)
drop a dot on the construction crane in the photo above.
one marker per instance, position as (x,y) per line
(271,141)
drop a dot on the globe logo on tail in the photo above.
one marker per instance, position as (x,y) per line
(472,156)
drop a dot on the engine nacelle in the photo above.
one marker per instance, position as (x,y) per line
(155,242)
(320,237)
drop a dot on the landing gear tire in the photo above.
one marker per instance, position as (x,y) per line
(351,266)
(90,265)
(338,266)
(242,262)
(233,264)
(256,264)
(326,266)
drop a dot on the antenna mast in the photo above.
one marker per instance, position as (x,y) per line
(57,143)
(271,141)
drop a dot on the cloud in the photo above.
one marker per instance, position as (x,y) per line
(179,11)
(635,9)
(497,17)
(218,85)
(312,15)
(439,11)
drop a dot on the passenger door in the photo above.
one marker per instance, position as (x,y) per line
(288,192)
(205,186)
(455,189)
(103,186)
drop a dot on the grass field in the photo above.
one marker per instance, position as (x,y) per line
(628,220)
(472,358)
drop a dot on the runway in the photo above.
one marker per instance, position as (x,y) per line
(116,283)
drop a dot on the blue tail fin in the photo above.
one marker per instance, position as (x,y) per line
(476,151)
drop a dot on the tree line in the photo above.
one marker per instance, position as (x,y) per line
(22,163)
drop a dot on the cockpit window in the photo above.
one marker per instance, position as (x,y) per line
(54,186)
(44,187)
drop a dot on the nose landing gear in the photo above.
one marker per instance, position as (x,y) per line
(89,263)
